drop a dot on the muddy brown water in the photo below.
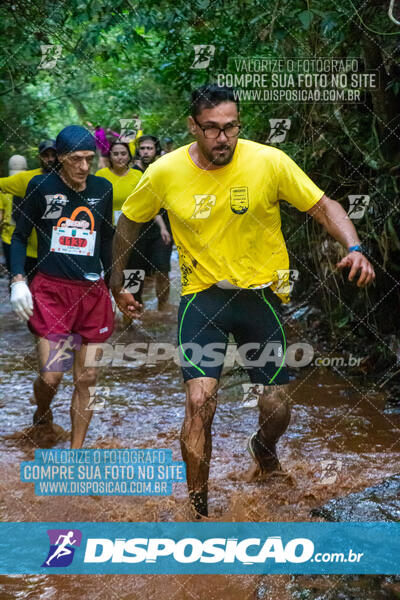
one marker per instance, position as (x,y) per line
(339,441)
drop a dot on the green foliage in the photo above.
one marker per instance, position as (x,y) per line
(120,58)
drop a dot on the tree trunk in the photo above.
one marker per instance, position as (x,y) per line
(384,102)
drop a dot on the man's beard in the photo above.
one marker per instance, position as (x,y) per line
(49,167)
(220,160)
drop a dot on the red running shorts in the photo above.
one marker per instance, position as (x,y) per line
(62,306)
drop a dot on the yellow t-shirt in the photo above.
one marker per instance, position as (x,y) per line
(8,225)
(6,201)
(15,185)
(226,222)
(122,186)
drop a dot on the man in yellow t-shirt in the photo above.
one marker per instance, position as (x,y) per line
(8,212)
(222,197)
(12,191)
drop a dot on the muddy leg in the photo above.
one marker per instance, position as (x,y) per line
(196,442)
(84,377)
(162,289)
(274,418)
(45,386)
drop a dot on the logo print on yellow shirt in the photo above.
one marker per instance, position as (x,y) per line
(239,200)
(203,206)
(286,280)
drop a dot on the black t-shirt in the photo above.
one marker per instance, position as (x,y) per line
(66,248)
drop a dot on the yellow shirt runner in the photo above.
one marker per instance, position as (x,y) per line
(226,222)
(15,185)
(122,186)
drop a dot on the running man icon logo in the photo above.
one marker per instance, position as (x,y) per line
(203,205)
(357,206)
(286,280)
(129,128)
(50,55)
(203,54)
(132,280)
(279,129)
(98,395)
(251,394)
(63,543)
(330,471)
(54,206)
(61,352)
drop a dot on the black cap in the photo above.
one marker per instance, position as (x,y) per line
(46,144)
(74,138)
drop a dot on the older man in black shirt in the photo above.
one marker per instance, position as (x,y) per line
(67,305)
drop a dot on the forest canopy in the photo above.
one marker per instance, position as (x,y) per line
(122,58)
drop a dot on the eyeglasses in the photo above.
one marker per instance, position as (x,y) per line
(78,159)
(212,133)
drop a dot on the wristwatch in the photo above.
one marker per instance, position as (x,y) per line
(356,248)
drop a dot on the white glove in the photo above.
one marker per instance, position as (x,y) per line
(21,300)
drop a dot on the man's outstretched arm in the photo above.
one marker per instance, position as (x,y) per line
(332,216)
(125,236)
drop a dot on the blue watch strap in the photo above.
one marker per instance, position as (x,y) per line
(357,248)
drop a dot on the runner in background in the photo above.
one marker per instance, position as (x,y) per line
(148,150)
(123,179)
(152,251)
(120,175)
(16,164)
(68,306)
(15,187)
(102,142)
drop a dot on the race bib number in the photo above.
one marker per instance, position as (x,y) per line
(71,240)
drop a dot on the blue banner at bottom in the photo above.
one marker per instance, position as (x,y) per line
(193,548)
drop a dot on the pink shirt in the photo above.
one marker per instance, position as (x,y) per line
(102,142)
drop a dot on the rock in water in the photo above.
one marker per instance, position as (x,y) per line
(377,503)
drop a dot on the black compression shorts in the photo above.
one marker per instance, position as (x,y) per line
(206,319)
(151,255)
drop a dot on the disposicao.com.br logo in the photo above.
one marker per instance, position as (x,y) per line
(107,554)
(248,551)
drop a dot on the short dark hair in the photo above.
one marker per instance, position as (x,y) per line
(208,96)
(153,139)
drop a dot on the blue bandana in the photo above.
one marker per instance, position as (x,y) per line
(74,138)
